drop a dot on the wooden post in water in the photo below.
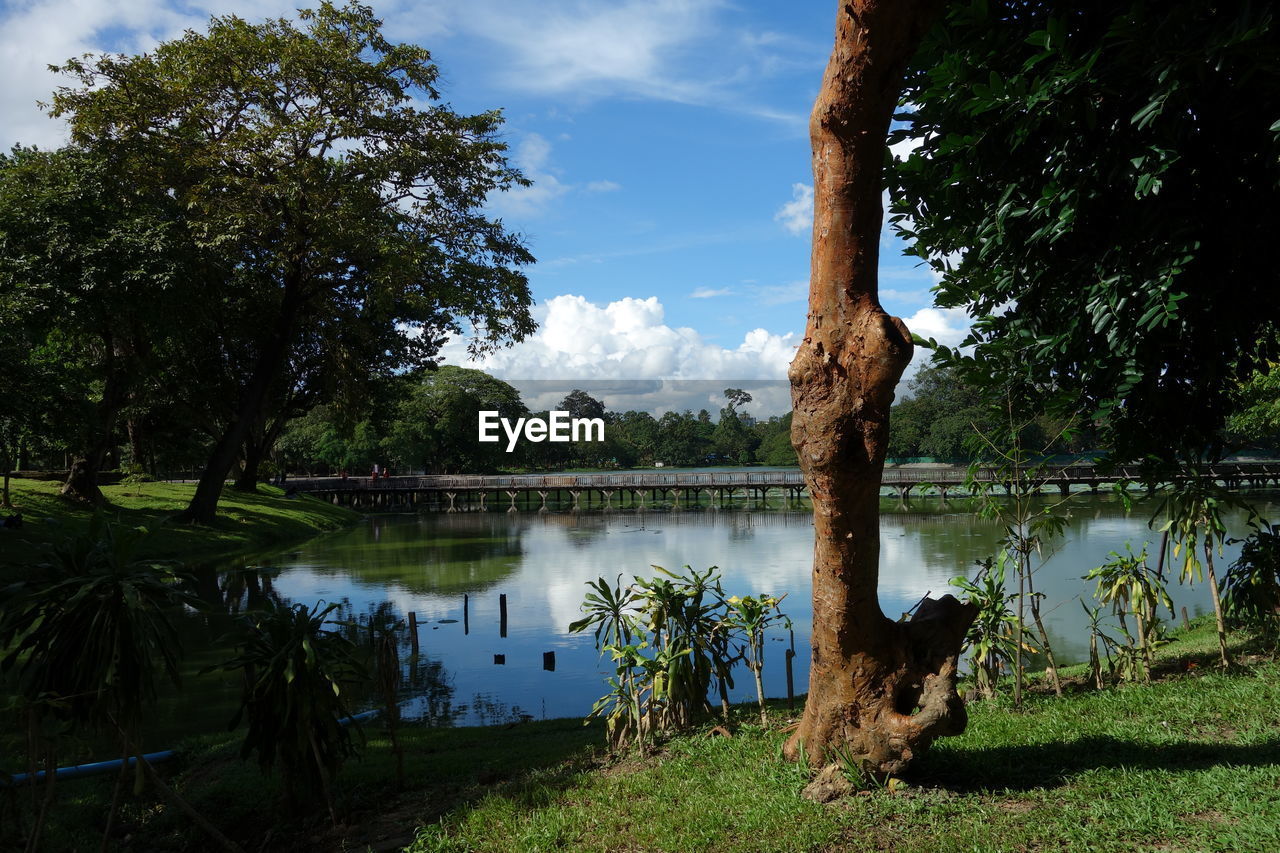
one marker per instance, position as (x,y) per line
(549,661)
(791,681)
(466,614)
(413,632)
(502,615)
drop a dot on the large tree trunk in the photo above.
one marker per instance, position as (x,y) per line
(879,691)
(254,447)
(82,476)
(257,447)
(203,507)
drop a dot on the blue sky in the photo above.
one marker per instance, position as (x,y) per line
(666,140)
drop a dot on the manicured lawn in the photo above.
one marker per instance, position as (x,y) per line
(1191,762)
(246,522)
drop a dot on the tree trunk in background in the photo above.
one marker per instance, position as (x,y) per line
(137,444)
(82,476)
(254,447)
(203,507)
(257,446)
(879,691)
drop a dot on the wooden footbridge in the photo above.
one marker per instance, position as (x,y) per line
(637,489)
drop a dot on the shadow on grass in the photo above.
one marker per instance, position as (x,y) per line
(448,770)
(1051,765)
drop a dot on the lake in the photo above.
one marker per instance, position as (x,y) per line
(437,565)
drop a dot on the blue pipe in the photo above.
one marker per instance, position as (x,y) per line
(363,717)
(79,771)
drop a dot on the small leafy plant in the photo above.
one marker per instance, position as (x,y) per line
(752,616)
(1251,586)
(1129,585)
(992,638)
(86,640)
(294,669)
(668,637)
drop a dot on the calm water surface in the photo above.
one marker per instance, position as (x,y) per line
(542,561)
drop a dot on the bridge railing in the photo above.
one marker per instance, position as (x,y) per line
(950,476)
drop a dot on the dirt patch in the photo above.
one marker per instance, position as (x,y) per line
(1016,806)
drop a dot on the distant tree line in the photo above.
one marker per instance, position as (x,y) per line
(426,421)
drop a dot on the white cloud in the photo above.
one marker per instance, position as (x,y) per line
(567,47)
(628,339)
(797,215)
(945,325)
(709,293)
(667,50)
(532,156)
(38,33)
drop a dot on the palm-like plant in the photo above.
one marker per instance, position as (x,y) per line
(668,637)
(1131,587)
(1251,587)
(1193,517)
(294,669)
(992,639)
(753,615)
(683,613)
(610,608)
(87,641)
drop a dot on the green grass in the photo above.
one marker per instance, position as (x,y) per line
(1191,762)
(246,522)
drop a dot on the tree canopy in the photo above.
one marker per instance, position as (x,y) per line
(1096,185)
(348,217)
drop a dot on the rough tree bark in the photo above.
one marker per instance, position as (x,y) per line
(880,691)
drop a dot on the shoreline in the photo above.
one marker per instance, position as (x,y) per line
(247,523)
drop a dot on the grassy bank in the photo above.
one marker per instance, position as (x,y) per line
(1191,762)
(246,522)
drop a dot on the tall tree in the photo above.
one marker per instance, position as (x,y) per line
(97,262)
(880,691)
(1094,182)
(943,416)
(438,418)
(732,436)
(299,154)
